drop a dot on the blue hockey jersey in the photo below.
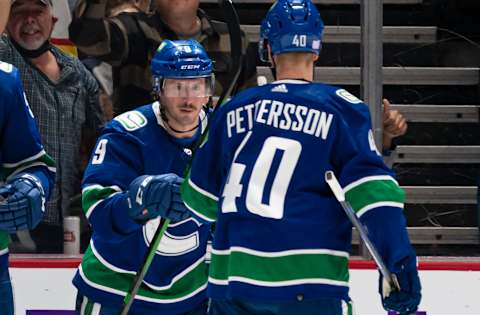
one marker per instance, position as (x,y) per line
(133,144)
(280,233)
(21,149)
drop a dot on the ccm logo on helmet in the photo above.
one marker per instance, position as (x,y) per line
(189,67)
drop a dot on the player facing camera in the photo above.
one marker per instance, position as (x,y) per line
(183,82)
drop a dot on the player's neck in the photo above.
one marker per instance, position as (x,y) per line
(300,73)
(178,130)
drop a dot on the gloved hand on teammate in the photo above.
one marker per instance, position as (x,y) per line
(23,203)
(151,196)
(405,301)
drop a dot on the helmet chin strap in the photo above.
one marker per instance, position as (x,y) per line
(31,53)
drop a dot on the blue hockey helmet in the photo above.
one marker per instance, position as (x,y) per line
(291,26)
(181,59)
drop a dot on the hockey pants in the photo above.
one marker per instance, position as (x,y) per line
(85,306)
(307,307)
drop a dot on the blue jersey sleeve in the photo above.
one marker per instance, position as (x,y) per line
(21,148)
(202,186)
(115,162)
(375,196)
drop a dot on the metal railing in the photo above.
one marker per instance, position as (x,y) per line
(439,113)
(439,235)
(394,75)
(442,154)
(351,34)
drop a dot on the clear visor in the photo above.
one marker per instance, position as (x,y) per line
(194,87)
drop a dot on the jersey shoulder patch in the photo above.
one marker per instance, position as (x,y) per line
(347,96)
(6,67)
(132,120)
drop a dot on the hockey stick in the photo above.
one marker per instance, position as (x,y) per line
(236,48)
(337,190)
(140,275)
(237,51)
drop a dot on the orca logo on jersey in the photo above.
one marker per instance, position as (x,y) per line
(6,67)
(132,120)
(348,96)
(174,242)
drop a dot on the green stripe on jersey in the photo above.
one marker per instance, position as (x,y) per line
(3,240)
(44,160)
(93,194)
(116,282)
(374,191)
(283,268)
(196,200)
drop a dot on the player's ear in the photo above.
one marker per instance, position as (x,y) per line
(315,57)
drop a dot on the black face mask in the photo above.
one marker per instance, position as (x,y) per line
(31,53)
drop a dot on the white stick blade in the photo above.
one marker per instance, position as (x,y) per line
(334,186)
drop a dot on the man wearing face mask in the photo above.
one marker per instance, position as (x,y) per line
(62,94)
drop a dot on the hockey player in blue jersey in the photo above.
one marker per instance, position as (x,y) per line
(282,241)
(27,172)
(133,175)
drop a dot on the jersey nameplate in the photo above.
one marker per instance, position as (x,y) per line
(132,120)
(6,67)
(348,96)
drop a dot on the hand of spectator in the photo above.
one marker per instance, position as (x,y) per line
(158,195)
(23,204)
(394,124)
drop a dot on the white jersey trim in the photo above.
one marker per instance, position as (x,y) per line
(158,288)
(4,251)
(281,253)
(106,263)
(290,81)
(137,297)
(278,283)
(203,217)
(365,209)
(31,158)
(92,207)
(177,277)
(202,191)
(26,167)
(97,186)
(368,179)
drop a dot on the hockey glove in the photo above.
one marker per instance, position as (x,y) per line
(23,203)
(405,301)
(158,195)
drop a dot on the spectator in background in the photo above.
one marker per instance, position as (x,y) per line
(129,40)
(102,70)
(64,97)
(115,7)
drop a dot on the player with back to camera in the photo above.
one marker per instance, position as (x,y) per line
(282,241)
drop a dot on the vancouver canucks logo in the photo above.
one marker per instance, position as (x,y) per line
(177,239)
(187,151)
